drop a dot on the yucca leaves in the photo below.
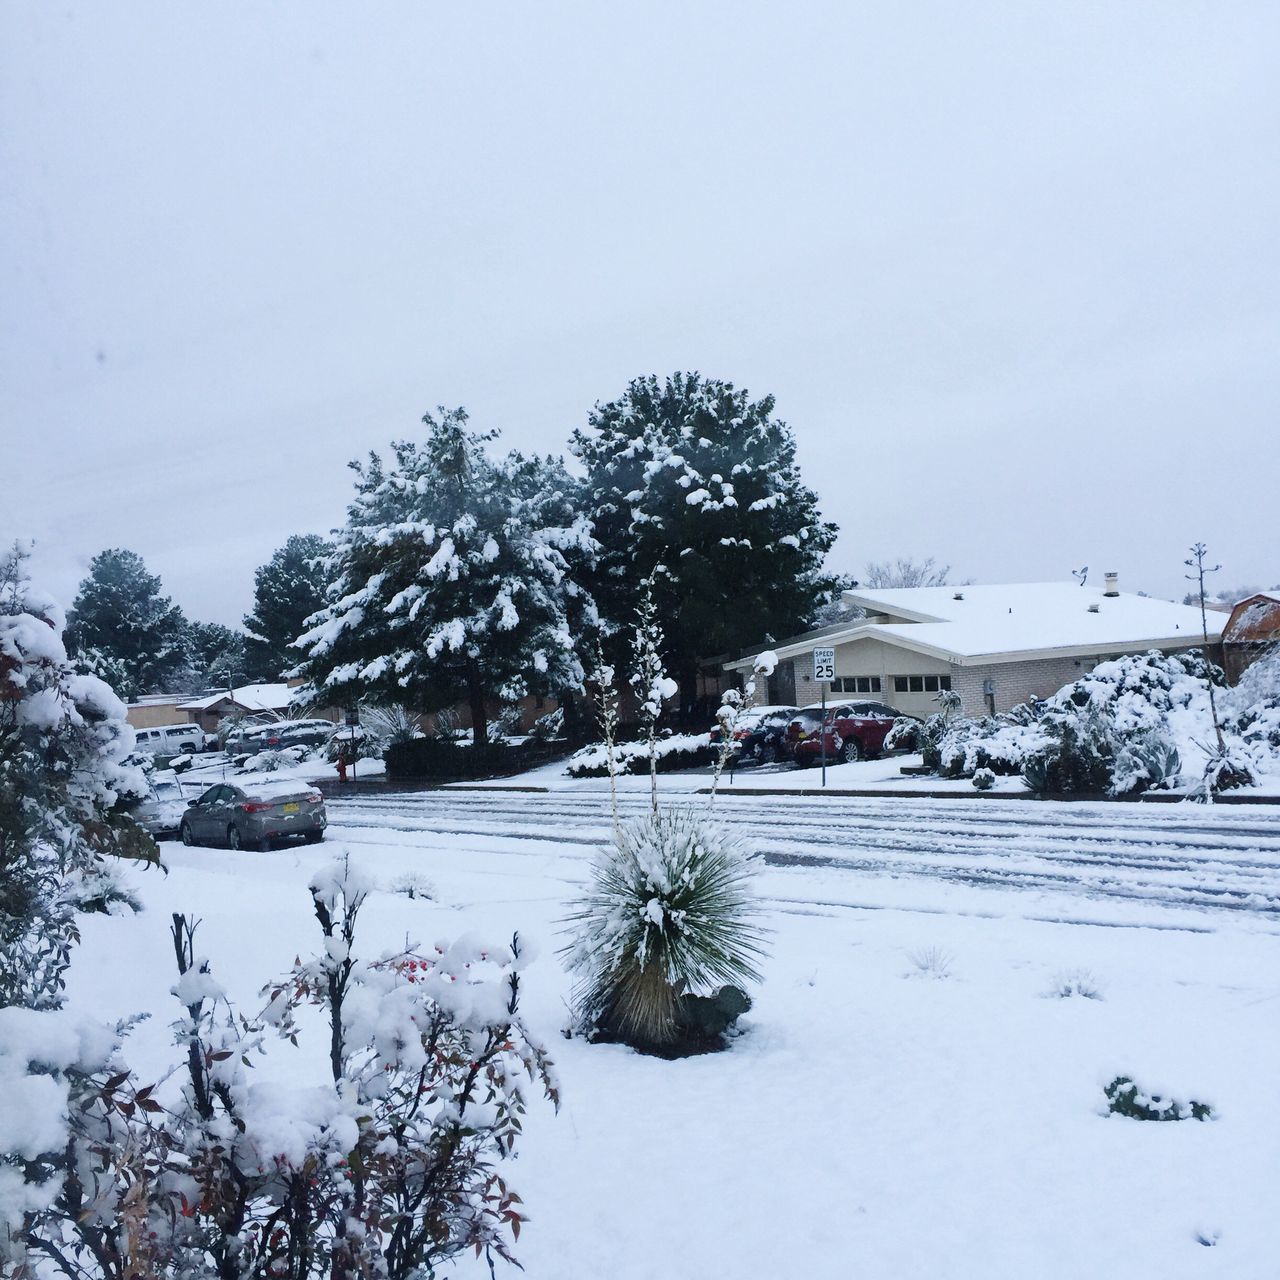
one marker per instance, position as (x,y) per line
(669,911)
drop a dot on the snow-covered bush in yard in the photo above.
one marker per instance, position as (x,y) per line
(1130,725)
(1125,1098)
(983,779)
(679,751)
(271,761)
(1252,713)
(388,1169)
(665,935)
(550,727)
(66,773)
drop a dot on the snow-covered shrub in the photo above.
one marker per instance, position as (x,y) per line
(388,1169)
(389,724)
(272,760)
(413,885)
(1076,758)
(1075,983)
(448,724)
(669,917)
(506,724)
(1148,761)
(66,776)
(679,751)
(1000,744)
(907,735)
(930,962)
(548,728)
(983,779)
(1125,1098)
(1130,725)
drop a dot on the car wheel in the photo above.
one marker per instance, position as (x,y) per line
(185,833)
(314,837)
(768,753)
(849,751)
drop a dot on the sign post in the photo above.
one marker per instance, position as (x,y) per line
(824,671)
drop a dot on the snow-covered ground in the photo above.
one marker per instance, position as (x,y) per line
(908,1098)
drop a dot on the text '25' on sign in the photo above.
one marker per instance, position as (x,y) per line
(824,664)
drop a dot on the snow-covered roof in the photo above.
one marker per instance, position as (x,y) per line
(251,697)
(976,625)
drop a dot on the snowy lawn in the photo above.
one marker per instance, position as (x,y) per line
(908,1099)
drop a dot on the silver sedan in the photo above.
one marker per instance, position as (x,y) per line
(253,815)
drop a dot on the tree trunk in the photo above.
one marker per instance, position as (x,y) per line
(689,708)
(475,696)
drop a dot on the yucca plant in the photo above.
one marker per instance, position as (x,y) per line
(669,916)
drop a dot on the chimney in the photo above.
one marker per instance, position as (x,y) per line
(1113,584)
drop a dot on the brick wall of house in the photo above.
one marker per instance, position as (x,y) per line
(1015,682)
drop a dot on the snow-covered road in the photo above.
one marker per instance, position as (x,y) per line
(1181,857)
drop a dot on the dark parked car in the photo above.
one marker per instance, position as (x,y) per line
(853,731)
(252,815)
(758,734)
(282,733)
(161,812)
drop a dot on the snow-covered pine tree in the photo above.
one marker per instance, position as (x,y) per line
(690,473)
(287,590)
(216,654)
(452,580)
(121,613)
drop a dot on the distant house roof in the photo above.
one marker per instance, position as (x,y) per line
(1254,620)
(978,625)
(248,697)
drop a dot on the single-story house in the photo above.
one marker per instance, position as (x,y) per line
(266,700)
(995,646)
(1252,628)
(154,709)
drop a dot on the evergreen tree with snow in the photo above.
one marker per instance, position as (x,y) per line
(454,579)
(693,483)
(121,614)
(216,654)
(287,590)
(64,778)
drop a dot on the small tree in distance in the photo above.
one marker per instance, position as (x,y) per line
(905,572)
(1196,563)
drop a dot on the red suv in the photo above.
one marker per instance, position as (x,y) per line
(852,731)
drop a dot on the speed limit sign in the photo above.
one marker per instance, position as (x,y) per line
(824,665)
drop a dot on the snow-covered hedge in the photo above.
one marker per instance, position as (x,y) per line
(679,751)
(1132,724)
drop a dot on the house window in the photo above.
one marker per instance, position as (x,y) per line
(856,684)
(920,684)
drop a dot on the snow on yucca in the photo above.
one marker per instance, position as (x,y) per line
(669,913)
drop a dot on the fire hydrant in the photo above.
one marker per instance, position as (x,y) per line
(342,766)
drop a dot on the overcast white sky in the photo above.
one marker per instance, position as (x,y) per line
(1011,270)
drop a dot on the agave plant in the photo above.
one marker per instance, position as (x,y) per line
(669,915)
